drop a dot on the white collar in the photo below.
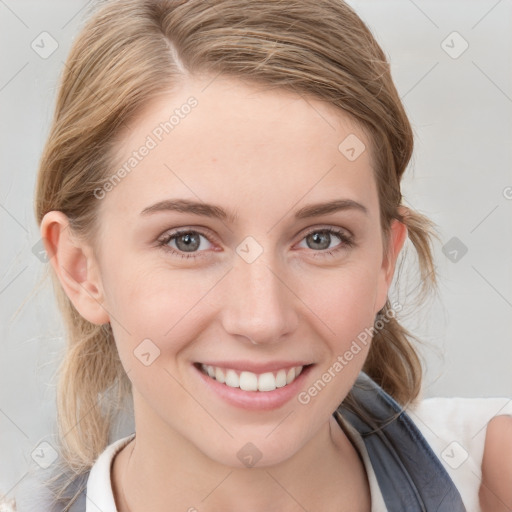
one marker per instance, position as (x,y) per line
(100,497)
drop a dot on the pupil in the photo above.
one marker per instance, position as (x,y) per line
(189,242)
(317,238)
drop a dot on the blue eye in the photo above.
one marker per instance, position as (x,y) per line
(323,237)
(188,243)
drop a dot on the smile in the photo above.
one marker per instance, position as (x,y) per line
(249,381)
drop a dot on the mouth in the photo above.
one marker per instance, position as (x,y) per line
(250,381)
(252,388)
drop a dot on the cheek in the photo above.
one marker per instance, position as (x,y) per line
(154,302)
(346,298)
(345,302)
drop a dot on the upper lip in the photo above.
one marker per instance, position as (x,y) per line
(253,367)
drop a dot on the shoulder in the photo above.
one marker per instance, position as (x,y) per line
(456,428)
(459,420)
(496,488)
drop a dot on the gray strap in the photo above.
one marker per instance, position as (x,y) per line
(410,476)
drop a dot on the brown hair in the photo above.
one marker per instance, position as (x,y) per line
(130,51)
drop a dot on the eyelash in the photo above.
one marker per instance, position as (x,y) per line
(346,242)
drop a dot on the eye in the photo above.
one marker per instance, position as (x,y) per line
(183,242)
(188,243)
(320,240)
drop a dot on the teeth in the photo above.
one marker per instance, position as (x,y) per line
(266,382)
(281,379)
(232,379)
(219,375)
(249,381)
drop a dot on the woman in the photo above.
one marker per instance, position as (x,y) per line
(220,199)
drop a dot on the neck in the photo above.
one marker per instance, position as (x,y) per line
(161,471)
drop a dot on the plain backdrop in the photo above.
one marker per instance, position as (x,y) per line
(451,62)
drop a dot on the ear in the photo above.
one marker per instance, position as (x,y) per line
(396,239)
(75,266)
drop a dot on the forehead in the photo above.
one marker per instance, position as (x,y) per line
(222,140)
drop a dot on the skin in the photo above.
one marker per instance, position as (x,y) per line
(262,155)
(496,489)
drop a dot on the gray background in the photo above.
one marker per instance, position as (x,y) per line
(460,107)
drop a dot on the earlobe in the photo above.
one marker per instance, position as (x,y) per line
(75,266)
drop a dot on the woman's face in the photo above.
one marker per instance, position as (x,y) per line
(255,284)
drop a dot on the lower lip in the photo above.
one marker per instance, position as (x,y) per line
(255,400)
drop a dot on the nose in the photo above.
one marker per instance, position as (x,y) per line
(259,303)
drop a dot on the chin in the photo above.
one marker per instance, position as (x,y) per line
(255,451)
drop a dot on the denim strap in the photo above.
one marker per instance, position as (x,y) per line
(409,474)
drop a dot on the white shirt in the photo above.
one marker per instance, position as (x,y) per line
(454,428)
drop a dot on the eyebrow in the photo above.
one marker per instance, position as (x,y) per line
(210,210)
(315,210)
